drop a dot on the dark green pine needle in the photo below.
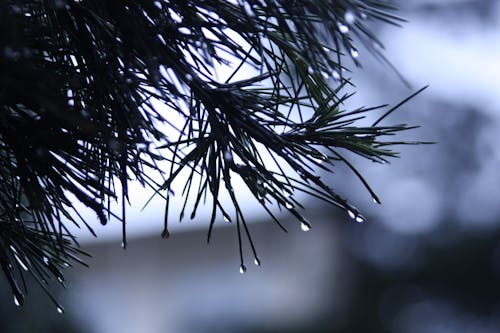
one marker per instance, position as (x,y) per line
(80,86)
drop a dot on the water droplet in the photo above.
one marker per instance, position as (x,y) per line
(227,219)
(123,245)
(350,17)
(360,219)
(288,205)
(16,301)
(325,75)
(363,16)
(60,310)
(376,200)
(243,269)
(310,70)
(189,77)
(184,31)
(45,260)
(336,75)
(354,53)
(157,4)
(344,29)
(351,214)
(257,262)
(320,158)
(305,226)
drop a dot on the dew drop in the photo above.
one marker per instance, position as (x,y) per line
(288,205)
(376,200)
(60,310)
(45,260)
(354,53)
(189,77)
(344,29)
(16,301)
(305,226)
(165,233)
(227,219)
(243,269)
(123,245)
(310,70)
(184,31)
(336,75)
(257,262)
(350,17)
(325,75)
(360,219)
(351,214)
(320,158)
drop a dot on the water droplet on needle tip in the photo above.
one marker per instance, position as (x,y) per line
(305,226)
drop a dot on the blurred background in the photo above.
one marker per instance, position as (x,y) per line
(427,260)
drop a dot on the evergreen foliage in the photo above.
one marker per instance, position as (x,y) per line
(80,86)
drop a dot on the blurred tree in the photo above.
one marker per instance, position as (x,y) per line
(80,88)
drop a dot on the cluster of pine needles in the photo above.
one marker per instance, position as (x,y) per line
(89,90)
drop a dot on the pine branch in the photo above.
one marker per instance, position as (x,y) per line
(80,85)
